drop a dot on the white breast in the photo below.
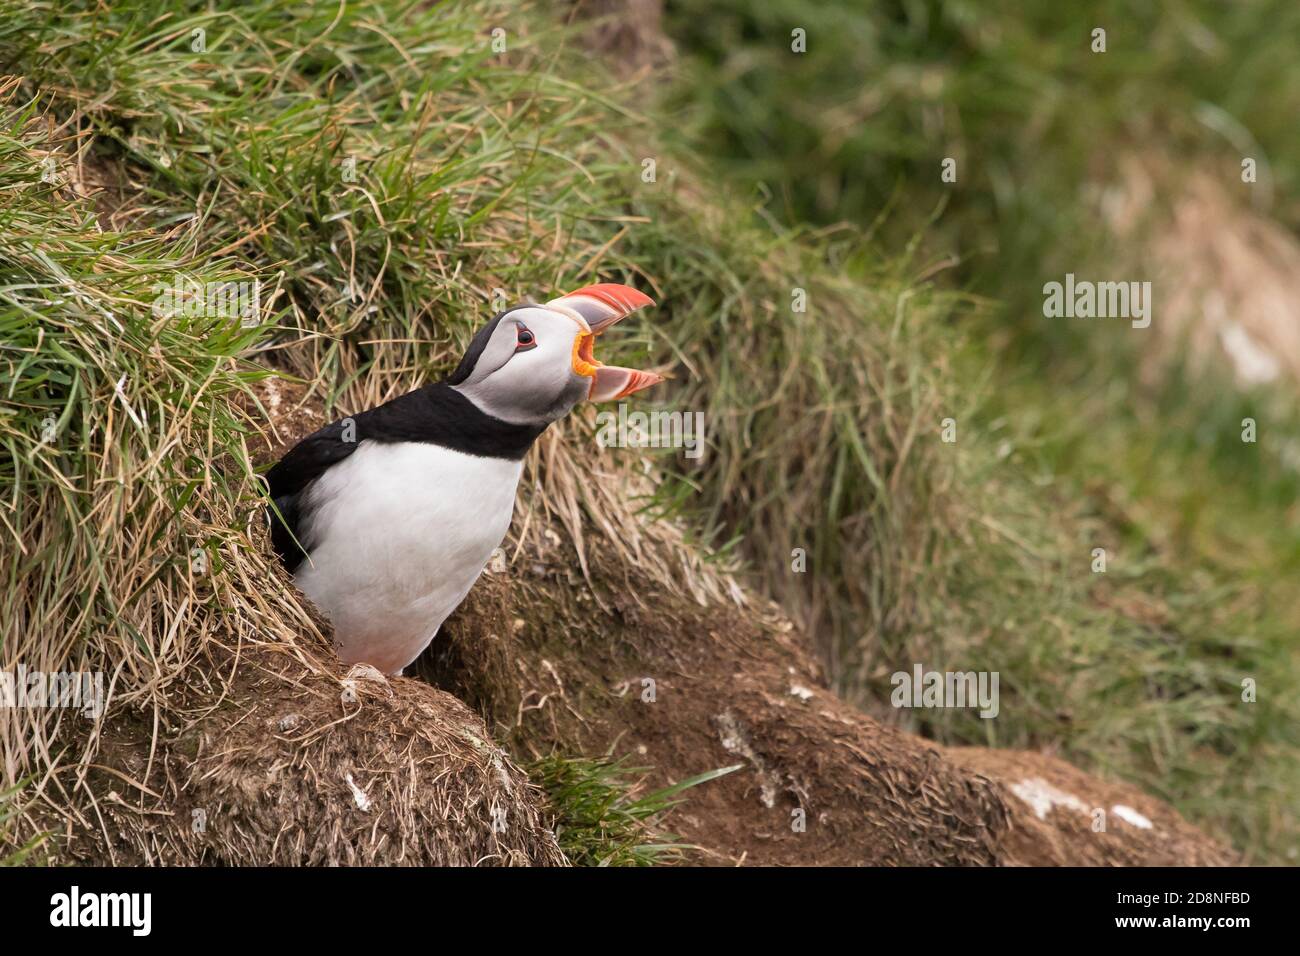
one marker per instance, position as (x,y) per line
(398,534)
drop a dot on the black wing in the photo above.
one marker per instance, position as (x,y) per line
(291,477)
(435,413)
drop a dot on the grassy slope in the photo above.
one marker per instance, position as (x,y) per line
(480,171)
(477,172)
(1201,528)
(480,175)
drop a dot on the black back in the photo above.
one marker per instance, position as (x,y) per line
(436,414)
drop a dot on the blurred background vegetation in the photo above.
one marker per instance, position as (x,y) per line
(1131,434)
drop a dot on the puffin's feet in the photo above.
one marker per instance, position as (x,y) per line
(365,678)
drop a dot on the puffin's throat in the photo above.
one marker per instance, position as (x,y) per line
(584,354)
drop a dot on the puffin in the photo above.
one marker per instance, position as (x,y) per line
(385,519)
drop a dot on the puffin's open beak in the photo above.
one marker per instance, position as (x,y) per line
(599,307)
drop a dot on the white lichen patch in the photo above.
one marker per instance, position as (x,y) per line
(734,740)
(1042,797)
(494,756)
(1131,816)
(358,795)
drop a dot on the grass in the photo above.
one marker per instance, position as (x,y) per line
(17,852)
(598,821)
(477,172)
(110,415)
(498,173)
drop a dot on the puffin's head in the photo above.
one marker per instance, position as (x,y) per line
(532,363)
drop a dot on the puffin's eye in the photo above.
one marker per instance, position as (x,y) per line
(526,339)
